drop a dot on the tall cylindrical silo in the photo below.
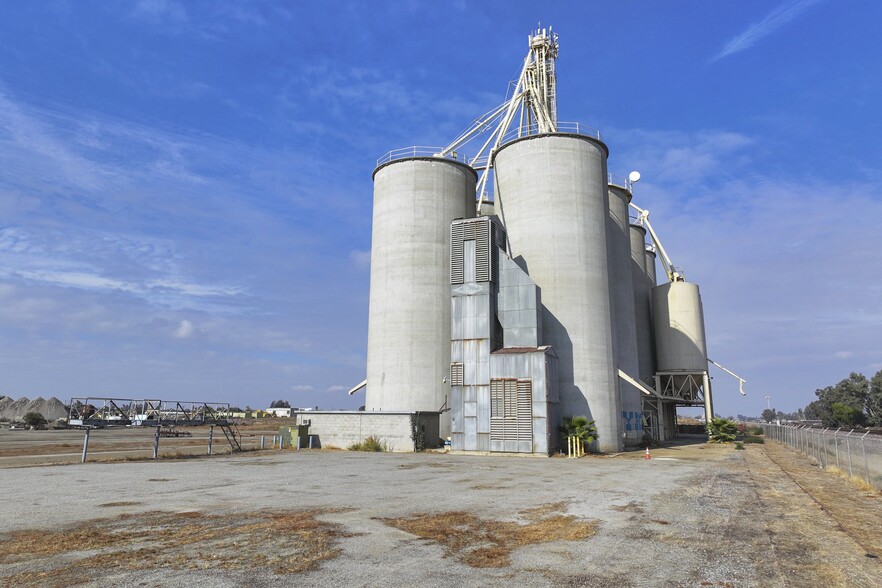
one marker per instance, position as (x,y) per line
(679,328)
(408,355)
(652,281)
(642,310)
(552,195)
(624,321)
(650,268)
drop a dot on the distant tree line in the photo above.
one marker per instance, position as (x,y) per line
(770,414)
(854,402)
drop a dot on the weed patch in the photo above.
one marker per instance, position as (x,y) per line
(482,543)
(283,542)
(370,443)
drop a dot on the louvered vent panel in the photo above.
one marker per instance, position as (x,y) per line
(525,410)
(496,395)
(488,236)
(456,374)
(511,399)
(497,421)
(456,258)
(511,410)
(482,251)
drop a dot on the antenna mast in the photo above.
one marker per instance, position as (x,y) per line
(534,100)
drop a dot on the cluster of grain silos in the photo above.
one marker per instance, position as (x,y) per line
(628,351)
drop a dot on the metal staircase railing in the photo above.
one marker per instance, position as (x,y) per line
(231,432)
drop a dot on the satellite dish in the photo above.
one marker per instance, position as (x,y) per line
(634,176)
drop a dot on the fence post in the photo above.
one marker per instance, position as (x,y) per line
(210,438)
(836,446)
(156,444)
(85,445)
(866,465)
(262,441)
(848,450)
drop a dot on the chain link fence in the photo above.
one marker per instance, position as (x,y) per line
(857,454)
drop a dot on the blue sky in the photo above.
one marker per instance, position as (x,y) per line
(185,187)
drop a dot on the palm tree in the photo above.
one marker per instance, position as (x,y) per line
(579,427)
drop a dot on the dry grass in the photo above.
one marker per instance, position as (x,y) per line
(484,543)
(538,512)
(429,464)
(857,481)
(283,542)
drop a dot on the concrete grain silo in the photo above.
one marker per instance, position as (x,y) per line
(408,353)
(681,347)
(679,328)
(642,310)
(650,268)
(551,193)
(624,320)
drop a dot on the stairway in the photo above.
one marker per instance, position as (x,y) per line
(231,432)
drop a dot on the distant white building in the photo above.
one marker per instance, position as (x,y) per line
(280,412)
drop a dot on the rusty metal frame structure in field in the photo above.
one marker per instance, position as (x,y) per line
(91,411)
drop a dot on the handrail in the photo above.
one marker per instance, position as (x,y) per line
(415,151)
(574,128)
(621,181)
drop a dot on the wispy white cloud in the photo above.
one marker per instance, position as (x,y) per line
(773,21)
(185,330)
(681,157)
(360,258)
(160,12)
(148,268)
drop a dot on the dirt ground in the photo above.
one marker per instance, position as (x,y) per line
(696,514)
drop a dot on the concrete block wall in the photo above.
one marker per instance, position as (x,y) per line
(344,427)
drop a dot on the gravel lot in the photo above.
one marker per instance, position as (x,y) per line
(699,515)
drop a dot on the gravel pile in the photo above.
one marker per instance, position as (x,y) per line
(51,409)
(16,410)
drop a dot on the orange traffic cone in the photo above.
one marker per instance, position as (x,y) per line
(647,454)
